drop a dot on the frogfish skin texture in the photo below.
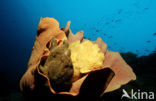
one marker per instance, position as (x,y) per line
(58,66)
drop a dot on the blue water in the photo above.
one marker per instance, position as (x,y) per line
(125,25)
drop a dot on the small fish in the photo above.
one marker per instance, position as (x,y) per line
(110,37)
(98,23)
(147,50)
(120,50)
(106,23)
(146,8)
(154,34)
(112,20)
(154,51)
(97,30)
(136,4)
(120,11)
(137,50)
(104,34)
(148,41)
(118,20)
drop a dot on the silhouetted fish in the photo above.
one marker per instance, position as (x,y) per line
(120,11)
(148,41)
(118,20)
(154,34)
(106,23)
(97,30)
(137,50)
(104,34)
(154,51)
(136,4)
(146,8)
(110,37)
(147,50)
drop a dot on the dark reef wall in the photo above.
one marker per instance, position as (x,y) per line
(144,67)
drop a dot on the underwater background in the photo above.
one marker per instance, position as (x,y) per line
(127,26)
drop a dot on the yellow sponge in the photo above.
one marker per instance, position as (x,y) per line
(85,57)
